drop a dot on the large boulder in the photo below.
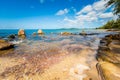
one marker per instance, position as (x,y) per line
(40,32)
(83,33)
(4,45)
(21,33)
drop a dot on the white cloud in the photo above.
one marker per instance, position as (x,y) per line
(90,15)
(62,12)
(106,15)
(86,9)
(100,5)
(71,23)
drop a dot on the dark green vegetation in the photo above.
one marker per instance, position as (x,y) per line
(113,24)
(116,4)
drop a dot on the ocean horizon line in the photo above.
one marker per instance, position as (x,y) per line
(44,29)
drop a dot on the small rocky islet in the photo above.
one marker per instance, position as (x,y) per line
(28,65)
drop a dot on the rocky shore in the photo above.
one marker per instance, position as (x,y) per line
(108,57)
(66,57)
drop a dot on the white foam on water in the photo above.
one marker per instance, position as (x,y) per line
(16,42)
(78,71)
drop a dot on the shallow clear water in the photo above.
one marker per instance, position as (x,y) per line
(52,38)
(40,52)
(4,33)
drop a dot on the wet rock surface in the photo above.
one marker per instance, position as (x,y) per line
(21,33)
(36,60)
(109,57)
(12,37)
(4,45)
(40,32)
(65,33)
(70,57)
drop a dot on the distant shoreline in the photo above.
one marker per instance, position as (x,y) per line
(52,29)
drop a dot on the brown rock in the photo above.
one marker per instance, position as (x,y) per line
(65,33)
(1,41)
(34,33)
(5,45)
(109,58)
(116,37)
(104,48)
(40,32)
(21,33)
(108,71)
(109,36)
(83,33)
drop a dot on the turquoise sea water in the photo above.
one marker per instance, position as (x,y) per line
(52,47)
(29,32)
(53,35)
(6,32)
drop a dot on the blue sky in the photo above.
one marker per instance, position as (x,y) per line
(52,14)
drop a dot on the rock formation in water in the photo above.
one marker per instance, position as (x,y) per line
(21,33)
(40,32)
(34,34)
(11,37)
(65,33)
(109,58)
(4,45)
(83,33)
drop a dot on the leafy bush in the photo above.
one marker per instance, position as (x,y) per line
(113,24)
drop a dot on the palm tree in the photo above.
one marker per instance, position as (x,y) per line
(116,4)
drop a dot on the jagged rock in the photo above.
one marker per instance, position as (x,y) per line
(83,33)
(116,37)
(109,58)
(65,33)
(109,53)
(104,48)
(12,37)
(34,33)
(21,33)
(40,32)
(106,41)
(109,36)
(5,45)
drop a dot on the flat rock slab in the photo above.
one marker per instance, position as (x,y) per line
(108,71)
(5,45)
